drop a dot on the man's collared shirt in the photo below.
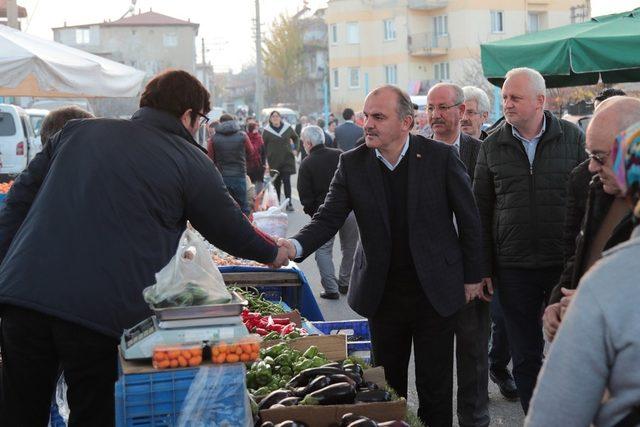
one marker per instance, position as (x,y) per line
(456,143)
(402,154)
(530,144)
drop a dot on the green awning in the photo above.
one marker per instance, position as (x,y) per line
(606,47)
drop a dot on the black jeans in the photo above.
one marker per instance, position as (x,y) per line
(499,353)
(277,183)
(523,295)
(472,341)
(34,347)
(406,316)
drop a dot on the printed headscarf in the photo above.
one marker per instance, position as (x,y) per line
(626,162)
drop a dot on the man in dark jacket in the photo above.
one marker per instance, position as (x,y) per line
(85,228)
(348,133)
(231,150)
(445,109)
(607,220)
(314,177)
(520,188)
(412,272)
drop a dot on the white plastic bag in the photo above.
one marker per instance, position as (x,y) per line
(190,278)
(217,397)
(273,221)
(269,197)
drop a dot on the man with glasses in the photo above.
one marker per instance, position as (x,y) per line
(520,187)
(607,219)
(476,112)
(445,109)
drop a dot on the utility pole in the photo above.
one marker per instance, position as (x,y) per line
(259,99)
(12,14)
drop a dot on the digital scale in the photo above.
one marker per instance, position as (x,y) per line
(180,325)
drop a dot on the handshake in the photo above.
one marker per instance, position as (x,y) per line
(286,252)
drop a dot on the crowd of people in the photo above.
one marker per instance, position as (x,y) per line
(458,242)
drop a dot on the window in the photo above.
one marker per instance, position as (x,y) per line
(334,33)
(497,25)
(440,24)
(336,78)
(82,36)
(353,36)
(389,29)
(170,40)
(534,22)
(354,78)
(441,71)
(7,125)
(391,74)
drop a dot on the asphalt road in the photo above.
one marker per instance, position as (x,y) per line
(502,411)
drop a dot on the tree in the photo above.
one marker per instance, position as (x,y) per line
(283,60)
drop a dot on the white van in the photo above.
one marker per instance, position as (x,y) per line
(18,143)
(36,117)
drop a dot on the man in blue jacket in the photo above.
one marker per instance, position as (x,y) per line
(97,213)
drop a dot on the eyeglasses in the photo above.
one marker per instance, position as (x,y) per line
(600,158)
(441,108)
(471,113)
(203,119)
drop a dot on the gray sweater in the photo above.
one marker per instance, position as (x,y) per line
(597,348)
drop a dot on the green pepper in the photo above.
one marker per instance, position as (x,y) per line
(292,335)
(273,335)
(263,375)
(269,361)
(311,352)
(282,383)
(251,379)
(286,370)
(287,377)
(277,350)
(302,365)
(318,361)
(284,359)
(262,391)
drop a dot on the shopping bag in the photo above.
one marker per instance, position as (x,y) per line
(190,278)
(269,198)
(274,221)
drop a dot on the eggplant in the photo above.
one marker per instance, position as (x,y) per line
(305,377)
(349,418)
(273,398)
(353,367)
(332,365)
(267,424)
(341,378)
(334,394)
(397,423)
(290,423)
(371,396)
(316,384)
(368,385)
(364,422)
(289,401)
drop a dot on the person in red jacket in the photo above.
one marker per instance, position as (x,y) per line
(255,167)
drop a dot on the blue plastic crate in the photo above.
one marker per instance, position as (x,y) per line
(357,332)
(155,399)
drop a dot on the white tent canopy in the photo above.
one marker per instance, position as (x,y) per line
(31,66)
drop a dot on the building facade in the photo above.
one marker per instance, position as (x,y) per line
(416,43)
(148,41)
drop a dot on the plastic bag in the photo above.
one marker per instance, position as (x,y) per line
(269,197)
(273,221)
(217,397)
(59,416)
(190,278)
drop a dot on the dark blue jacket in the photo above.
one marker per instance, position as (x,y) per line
(347,136)
(101,209)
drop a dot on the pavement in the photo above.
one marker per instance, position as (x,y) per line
(502,411)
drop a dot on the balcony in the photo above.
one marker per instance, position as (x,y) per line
(427,4)
(428,44)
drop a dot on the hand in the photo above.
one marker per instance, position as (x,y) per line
(488,283)
(282,258)
(551,320)
(566,300)
(472,291)
(288,245)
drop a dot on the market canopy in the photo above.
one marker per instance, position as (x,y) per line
(606,47)
(31,66)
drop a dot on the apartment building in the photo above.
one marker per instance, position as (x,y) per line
(416,43)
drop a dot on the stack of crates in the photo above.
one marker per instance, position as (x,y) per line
(156,399)
(357,332)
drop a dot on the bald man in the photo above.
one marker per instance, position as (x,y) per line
(607,220)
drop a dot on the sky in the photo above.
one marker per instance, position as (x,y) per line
(226,26)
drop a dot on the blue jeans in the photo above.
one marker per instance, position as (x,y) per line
(524,294)
(499,354)
(237,187)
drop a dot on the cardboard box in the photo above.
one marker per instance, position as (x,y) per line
(334,347)
(293,316)
(329,415)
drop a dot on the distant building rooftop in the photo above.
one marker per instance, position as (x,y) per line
(140,20)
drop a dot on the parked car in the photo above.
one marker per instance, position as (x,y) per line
(581,120)
(36,117)
(18,142)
